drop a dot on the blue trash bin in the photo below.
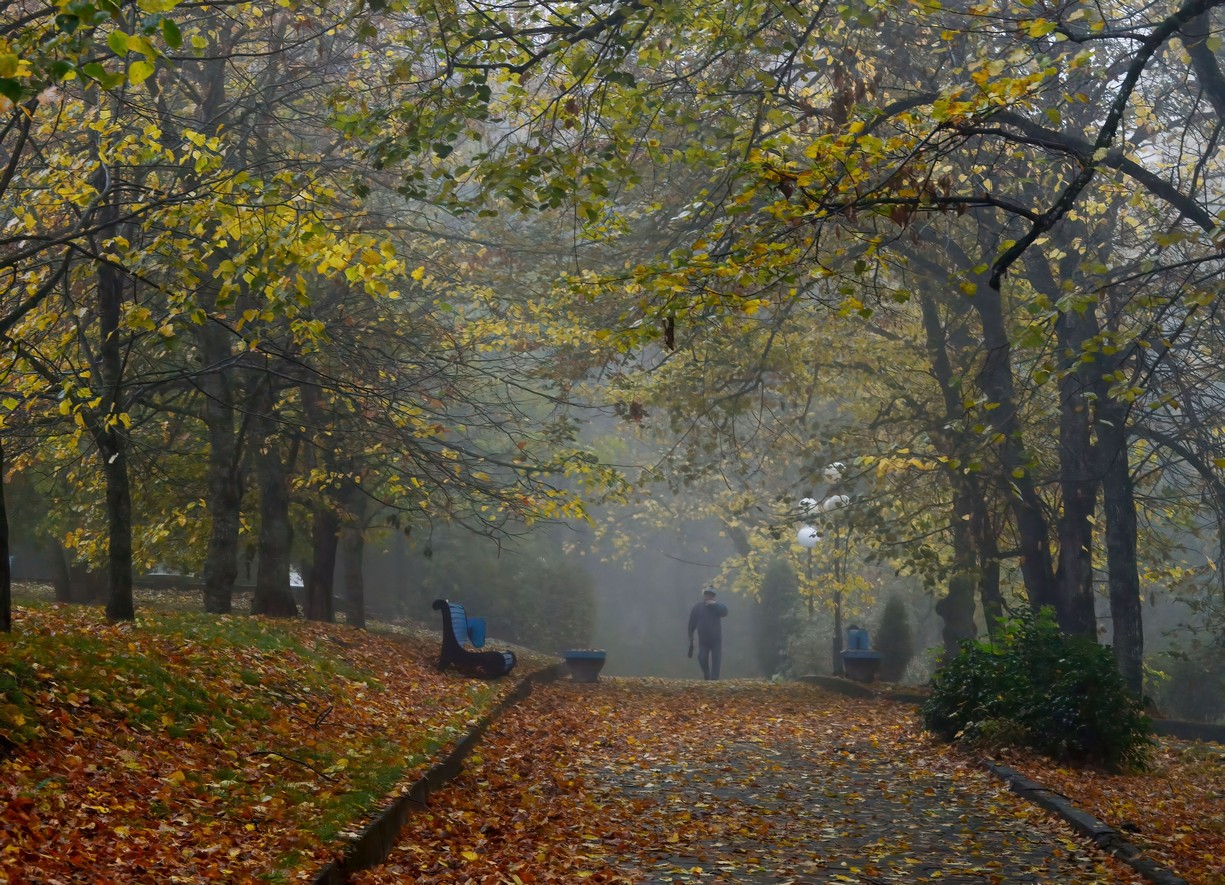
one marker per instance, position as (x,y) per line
(476,632)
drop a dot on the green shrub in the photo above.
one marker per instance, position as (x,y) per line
(1060,695)
(894,640)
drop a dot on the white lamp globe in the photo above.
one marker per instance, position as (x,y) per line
(807,537)
(808,505)
(833,502)
(833,472)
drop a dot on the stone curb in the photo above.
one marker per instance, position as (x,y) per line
(1100,834)
(374,844)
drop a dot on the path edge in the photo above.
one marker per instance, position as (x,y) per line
(1176,728)
(374,844)
(1103,836)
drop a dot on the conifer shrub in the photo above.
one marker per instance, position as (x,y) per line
(776,615)
(1033,686)
(894,640)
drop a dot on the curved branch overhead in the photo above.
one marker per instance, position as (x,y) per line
(1163,32)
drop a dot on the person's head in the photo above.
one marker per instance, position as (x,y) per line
(708,594)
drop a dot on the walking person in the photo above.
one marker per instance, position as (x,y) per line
(707,619)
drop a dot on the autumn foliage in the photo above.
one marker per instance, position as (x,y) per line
(208,748)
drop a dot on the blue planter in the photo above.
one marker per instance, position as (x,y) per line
(584,663)
(860,664)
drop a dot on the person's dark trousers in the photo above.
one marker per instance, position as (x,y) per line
(709,657)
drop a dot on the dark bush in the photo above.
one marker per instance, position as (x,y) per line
(1060,695)
(1194,684)
(894,640)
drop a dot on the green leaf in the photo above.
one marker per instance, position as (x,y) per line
(118,42)
(104,78)
(171,34)
(10,89)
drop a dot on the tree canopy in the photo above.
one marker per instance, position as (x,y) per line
(278,266)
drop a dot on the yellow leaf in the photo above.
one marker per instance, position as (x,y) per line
(176,776)
(13,715)
(471,855)
(140,71)
(418,274)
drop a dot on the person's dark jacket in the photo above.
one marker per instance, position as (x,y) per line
(707,619)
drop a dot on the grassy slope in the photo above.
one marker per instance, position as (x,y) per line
(189,747)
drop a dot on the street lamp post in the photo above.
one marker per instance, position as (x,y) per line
(808,537)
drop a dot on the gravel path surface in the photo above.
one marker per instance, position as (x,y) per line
(648,781)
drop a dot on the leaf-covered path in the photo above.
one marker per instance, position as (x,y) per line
(673,782)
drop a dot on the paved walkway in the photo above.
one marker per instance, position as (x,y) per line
(667,782)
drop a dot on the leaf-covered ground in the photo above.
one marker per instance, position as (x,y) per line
(190,748)
(634,781)
(1175,813)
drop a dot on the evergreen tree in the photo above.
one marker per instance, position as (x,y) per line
(894,640)
(778,600)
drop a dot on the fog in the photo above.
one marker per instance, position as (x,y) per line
(643,611)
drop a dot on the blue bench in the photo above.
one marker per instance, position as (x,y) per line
(458,632)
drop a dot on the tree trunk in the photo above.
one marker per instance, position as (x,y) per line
(956,607)
(996,382)
(325,523)
(6,573)
(120,605)
(272,594)
(1122,570)
(61,574)
(321,580)
(1074,575)
(108,434)
(224,478)
(836,645)
(992,598)
(352,548)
